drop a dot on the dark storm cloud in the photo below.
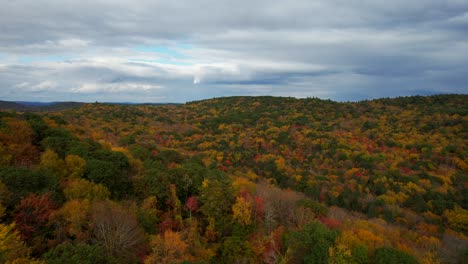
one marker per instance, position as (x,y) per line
(187,50)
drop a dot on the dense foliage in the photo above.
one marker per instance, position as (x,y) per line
(237,180)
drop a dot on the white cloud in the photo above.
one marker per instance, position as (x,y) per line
(461,19)
(55,50)
(114,87)
(44,86)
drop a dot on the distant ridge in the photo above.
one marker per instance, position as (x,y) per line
(130,103)
(38,106)
(6,105)
(26,106)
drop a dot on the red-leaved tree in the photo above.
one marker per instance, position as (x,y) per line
(192,204)
(32,215)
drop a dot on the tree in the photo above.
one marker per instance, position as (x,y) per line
(17,137)
(32,217)
(83,189)
(312,243)
(198,247)
(344,254)
(75,215)
(11,245)
(259,208)
(76,166)
(457,219)
(174,203)
(148,215)
(393,256)
(192,204)
(116,229)
(79,253)
(108,174)
(2,210)
(273,252)
(280,205)
(242,211)
(187,177)
(38,125)
(60,140)
(167,249)
(153,181)
(5,197)
(236,250)
(216,198)
(172,219)
(52,163)
(5,156)
(317,208)
(20,182)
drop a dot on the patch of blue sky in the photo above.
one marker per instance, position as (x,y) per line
(170,51)
(25,59)
(163,61)
(28,59)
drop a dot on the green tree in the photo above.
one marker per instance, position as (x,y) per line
(109,175)
(79,253)
(5,197)
(393,256)
(236,250)
(148,215)
(60,140)
(217,199)
(153,181)
(20,182)
(312,243)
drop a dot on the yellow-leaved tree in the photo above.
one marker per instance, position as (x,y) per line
(12,248)
(75,215)
(76,166)
(168,248)
(457,219)
(242,211)
(83,189)
(51,162)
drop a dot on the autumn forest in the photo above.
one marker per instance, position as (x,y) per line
(237,180)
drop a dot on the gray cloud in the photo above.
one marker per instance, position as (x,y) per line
(177,51)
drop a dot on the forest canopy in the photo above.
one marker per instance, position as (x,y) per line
(237,180)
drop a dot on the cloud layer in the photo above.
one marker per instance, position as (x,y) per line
(178,51)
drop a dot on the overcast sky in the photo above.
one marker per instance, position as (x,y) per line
(178,51)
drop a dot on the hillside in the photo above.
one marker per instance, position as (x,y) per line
(6,105)
(37,107)
(239,180)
